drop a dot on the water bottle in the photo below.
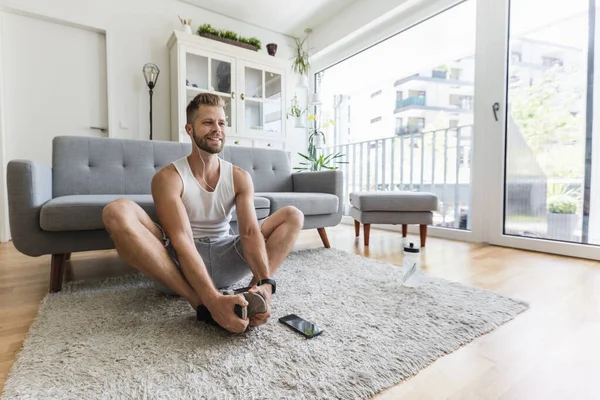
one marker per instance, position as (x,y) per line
(411,265)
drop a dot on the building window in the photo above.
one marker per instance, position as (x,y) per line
(515,56)
(398,126)
(551,61)
(375,120)
(463,152)
(398,96)
(377,93)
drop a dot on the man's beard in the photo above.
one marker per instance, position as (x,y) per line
(207,146)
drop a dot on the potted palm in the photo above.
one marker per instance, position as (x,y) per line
(562,217)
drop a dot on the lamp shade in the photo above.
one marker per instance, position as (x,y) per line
(151,73)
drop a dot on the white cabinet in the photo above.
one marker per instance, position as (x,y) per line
(252,85)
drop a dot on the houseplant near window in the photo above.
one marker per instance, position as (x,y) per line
(296,112)
(562,217)
(313,161)
(301,64)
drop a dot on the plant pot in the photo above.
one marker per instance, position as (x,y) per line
(561,226)
(303,81)
(318,141)
(315,99)
(229,41)
(299,122)
(272,49)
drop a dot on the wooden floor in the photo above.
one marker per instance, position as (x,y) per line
(551,351)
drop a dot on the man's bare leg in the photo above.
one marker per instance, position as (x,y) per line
(281,230)
(139,243)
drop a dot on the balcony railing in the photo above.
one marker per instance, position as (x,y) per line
(407,130)
(436,161)
(410,101)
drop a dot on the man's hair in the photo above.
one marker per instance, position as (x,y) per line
(203,99)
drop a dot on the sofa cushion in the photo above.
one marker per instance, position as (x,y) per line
(84,212)
(308,203)
(394,201)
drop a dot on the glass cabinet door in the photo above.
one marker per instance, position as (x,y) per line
(263,101)
(212,74)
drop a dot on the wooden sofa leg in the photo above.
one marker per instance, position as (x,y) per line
(423,232)
(367,229)
(324,239)
(356,228)
(404,230)
(57,270)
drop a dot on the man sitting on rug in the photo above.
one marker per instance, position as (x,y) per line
(192,253)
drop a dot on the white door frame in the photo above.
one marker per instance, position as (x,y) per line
(4,223)
(494,19)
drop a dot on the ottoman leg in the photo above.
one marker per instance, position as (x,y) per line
(356,228)
(404,230)
(423,232)
(367,229)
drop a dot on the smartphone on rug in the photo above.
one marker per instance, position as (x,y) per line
(300,325)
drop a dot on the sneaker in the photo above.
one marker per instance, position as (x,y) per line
(256,305)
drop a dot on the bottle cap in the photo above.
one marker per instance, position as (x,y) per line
(411,249)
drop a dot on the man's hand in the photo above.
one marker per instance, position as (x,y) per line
(222,311)
(266,292)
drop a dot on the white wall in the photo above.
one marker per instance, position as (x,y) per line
(137,32)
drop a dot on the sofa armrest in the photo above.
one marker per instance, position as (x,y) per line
(320,182)
(29,187)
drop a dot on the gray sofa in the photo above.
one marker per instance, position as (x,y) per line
(58,210)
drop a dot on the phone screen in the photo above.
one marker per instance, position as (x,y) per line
(303,326)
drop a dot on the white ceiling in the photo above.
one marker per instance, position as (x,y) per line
(282,16)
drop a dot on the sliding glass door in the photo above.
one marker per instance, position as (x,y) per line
(548,199)
(489,104)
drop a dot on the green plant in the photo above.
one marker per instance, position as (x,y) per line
(314,161)
(255,42)
(295,110)
(301,65)
(228,35)
(206,28)
(562,204)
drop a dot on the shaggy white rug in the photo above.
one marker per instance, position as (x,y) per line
(122,339)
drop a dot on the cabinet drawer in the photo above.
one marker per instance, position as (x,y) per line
(239,142)
(268,144)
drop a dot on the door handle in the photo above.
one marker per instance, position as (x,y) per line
(103,130)
(496,107)
(242,96)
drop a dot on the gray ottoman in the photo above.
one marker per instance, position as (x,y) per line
(393,208)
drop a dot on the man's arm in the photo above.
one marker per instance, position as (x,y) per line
(166,191)
(253,242)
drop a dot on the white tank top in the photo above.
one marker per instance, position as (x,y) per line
(209,212)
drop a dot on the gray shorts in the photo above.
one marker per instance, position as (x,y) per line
(223,257)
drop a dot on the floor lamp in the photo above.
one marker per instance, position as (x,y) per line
(151,72)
